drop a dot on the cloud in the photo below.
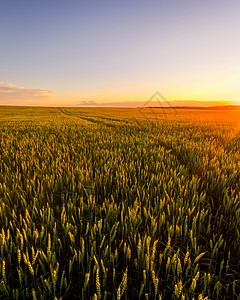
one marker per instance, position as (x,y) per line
(90,102)
(13,94)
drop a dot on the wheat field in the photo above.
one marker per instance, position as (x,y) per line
(104,203)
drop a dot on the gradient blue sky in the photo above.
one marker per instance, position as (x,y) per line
(71,52)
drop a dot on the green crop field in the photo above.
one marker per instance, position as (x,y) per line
(103,203)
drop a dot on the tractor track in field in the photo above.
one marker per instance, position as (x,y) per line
(99,120)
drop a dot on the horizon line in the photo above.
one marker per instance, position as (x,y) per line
(223,106)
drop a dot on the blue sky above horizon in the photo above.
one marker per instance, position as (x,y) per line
(74,52)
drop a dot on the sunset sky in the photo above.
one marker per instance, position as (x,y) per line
(98,52)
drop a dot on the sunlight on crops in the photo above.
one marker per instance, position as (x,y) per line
(103,203)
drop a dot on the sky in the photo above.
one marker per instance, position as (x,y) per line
(119,52)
